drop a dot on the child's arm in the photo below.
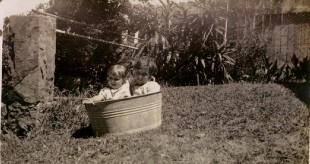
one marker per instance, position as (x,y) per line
(97,98)
(101,96)
(131,86)
(92,99)
(87,101)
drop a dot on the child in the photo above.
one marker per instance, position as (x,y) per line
(118,86)
(143,81)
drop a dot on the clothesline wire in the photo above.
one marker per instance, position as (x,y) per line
(95,39)
(83,24)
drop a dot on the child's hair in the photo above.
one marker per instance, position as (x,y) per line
(118,70)
(148,63)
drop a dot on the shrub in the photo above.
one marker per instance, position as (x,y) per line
(251,62)
(65,112)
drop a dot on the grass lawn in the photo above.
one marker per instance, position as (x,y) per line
(233,123)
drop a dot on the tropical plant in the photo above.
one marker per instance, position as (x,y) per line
(295,71)
(166,13)
(202,42)
(143,18)
(77,58)
(301,68)
(190,46)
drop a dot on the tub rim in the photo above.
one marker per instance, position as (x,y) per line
(127,98)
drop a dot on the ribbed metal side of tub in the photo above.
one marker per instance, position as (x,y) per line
(128,115)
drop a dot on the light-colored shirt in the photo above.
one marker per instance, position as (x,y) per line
(149,87)
(113,94)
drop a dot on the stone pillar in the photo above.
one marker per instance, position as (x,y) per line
(33,59)
(1,41)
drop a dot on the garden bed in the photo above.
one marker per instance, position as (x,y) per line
(234,123)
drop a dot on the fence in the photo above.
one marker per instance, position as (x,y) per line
(290,36)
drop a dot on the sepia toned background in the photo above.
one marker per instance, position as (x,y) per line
(234,76)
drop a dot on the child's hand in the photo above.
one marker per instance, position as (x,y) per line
(131,81)
(87,101)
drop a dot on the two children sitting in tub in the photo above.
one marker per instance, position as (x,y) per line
(119,87)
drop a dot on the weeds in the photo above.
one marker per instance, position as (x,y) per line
(242,123)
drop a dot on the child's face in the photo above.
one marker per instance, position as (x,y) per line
(115,81)
(141,76)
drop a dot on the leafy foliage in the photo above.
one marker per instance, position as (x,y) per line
(298,71)
(142,18)
(251,62)
(195,43)
(79,62)
(190,47)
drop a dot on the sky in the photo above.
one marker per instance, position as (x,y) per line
(18,7)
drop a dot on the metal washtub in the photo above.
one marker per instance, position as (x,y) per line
(127,115)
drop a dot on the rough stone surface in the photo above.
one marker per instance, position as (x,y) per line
(34,57)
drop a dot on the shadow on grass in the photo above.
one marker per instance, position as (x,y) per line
(301,90)
(85,132)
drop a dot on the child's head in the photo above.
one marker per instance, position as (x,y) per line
(116,76)
(144,69)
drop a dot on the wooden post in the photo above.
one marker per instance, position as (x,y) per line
(270,20)
(124,36)
(226,22)
(245,20)
(198,82)
(135,41)
(263,22)
(282,18)
(254,20)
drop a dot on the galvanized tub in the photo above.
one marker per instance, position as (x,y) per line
(127,115)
